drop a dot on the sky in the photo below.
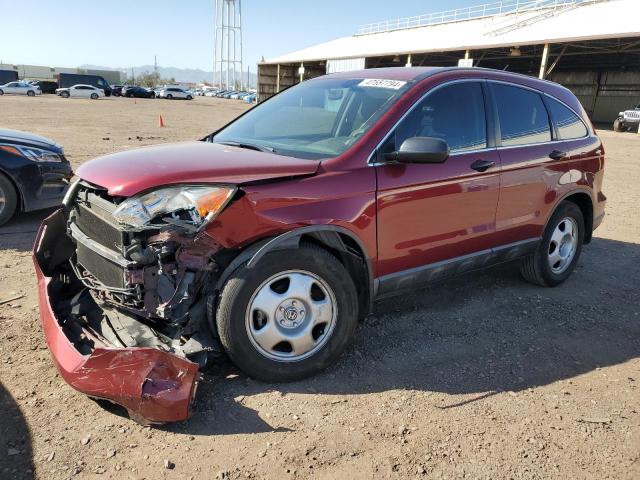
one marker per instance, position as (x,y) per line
(126,33)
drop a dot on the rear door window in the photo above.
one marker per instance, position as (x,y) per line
(522,116)
(568,125)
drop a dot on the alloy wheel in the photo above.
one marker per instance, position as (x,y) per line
(291,316)
(563,245)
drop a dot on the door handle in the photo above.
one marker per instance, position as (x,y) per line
(557,155)
(482,165)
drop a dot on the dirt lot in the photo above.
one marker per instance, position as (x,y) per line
(484,376)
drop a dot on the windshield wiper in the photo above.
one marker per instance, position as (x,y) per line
(249,146)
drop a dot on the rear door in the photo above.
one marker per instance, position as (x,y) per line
(525,147)
(429,213)
(545,152)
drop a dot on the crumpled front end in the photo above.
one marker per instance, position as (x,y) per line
(103,351)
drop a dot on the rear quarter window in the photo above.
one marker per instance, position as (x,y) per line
(566,122)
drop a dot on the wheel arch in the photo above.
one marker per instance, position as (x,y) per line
(584,200)
(339,241)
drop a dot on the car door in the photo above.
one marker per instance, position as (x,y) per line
(11,88)
(525,149)
(437,218)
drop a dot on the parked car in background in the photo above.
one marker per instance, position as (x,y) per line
(81,91)
(627,120)
(19,88)
(275,234)
(175,93)
(69,79)
(116,90)
(138,92)
(45,86)
(34,173)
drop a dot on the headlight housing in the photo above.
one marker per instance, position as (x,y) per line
(191,207)
(32,153)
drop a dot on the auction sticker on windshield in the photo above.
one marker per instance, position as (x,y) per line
(382,83)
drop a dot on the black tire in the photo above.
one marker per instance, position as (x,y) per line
(618,126)
(64,94)
(169,97)
(8,192)
(1,92)
(535,268)
(153,95)
(94,96)
(31,93)
(189,97)
(239,290)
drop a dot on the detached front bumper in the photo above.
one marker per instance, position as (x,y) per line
(153,385)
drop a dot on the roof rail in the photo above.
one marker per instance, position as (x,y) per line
(467,13)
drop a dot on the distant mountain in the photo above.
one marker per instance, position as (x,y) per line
(192,75)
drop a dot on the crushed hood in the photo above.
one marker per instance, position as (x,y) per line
(133,171)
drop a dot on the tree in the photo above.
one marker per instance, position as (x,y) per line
(149,80)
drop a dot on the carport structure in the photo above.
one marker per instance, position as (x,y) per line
(590,46)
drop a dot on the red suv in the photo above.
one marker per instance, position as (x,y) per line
(270,238)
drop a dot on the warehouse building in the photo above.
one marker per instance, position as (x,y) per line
(41,72)
(590,46)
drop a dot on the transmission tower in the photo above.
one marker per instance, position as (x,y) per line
(227,49)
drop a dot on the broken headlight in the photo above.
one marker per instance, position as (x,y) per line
(193,206)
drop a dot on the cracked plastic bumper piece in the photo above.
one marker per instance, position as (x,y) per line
(153,385)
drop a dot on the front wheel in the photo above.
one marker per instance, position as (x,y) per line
(64,94)
(557,254)
(288,317)
(8,200)
(618,125)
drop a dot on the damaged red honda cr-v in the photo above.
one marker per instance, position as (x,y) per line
(271,237)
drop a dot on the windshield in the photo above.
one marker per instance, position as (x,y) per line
(315,119)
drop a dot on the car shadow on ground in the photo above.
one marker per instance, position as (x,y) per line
(20,232)
(16,454)
(473,337)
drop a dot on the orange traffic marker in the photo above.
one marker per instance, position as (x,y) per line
(161,122)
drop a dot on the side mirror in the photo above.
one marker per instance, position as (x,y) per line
(420,150)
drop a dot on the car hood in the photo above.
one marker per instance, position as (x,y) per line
(133,171)
(7,135)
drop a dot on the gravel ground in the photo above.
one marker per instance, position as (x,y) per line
(484,376)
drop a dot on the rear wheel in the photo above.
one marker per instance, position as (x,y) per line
(8,200)
(289,316)
(557,255)
(31,93)
(189,97)
(1,92)
(169,96)
(94,96)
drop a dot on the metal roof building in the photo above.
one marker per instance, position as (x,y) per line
(590,46)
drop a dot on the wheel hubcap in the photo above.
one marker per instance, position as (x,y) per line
(563,245)
(291,316)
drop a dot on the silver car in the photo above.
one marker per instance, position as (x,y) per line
(20,88)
